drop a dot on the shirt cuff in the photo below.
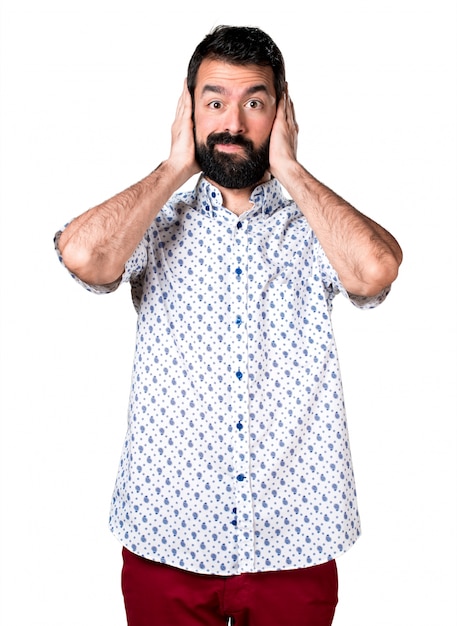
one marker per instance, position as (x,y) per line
(369,302)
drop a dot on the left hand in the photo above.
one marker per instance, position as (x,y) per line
(284,136)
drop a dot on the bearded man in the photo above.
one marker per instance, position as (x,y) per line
(235,493)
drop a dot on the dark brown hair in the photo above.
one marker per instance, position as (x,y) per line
(239,45)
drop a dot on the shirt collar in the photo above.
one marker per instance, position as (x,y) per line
(266,198)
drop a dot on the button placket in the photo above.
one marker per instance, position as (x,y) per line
(242,517)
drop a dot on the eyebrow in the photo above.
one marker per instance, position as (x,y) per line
(223,92)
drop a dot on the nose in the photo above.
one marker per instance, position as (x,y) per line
(234,121)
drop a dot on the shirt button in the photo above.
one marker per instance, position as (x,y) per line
(238,271)
(239,225)
(239,426)
(240,477)
(239,375)
(238,320)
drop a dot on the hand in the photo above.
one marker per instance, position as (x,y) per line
(284,136)
(182,152)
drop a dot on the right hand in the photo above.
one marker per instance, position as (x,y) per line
(182,152)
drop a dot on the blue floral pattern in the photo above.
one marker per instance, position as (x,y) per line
(237,456)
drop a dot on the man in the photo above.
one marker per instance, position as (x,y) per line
(235,492)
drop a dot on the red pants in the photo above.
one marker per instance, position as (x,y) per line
(160,595)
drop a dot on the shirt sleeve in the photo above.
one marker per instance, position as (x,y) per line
(134,268)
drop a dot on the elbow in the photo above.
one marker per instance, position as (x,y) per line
(372,275)
(77,260)
(380,269)
(377,276)
(87,265)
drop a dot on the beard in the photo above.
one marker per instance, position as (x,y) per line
(232,171)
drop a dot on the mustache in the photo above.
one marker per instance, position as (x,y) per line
(227,138)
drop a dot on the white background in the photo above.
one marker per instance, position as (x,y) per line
(88,94)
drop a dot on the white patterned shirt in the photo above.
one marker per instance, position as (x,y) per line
(236,457)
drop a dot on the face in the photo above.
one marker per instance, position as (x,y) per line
(234,111)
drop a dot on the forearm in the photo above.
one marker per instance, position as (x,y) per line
(96,245)
(364,254)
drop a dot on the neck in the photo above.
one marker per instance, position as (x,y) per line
(238,200)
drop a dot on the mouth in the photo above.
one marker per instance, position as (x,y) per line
(229,148)
(225,143)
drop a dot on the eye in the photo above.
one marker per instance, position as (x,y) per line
(215,104)
(254,104)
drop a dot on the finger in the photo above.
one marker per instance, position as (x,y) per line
(291,118)
(185,92)
(294,119)
(281,108)
(288,111)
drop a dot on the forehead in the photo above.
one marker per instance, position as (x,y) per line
(234,79)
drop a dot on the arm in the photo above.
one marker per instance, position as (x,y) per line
(364,254)
(96,245)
